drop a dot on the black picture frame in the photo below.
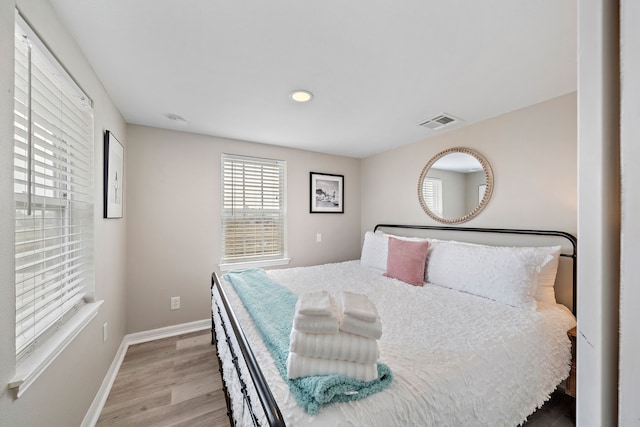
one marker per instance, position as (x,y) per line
(113,176)
(326,193)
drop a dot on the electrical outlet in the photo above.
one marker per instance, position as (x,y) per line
(318,237)
(175,303)
(105,332)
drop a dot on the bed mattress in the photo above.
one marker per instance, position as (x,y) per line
(457,359)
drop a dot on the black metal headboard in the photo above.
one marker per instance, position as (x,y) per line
(572,239)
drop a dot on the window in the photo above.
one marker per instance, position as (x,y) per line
(53,193)
(253,210)
(432,195)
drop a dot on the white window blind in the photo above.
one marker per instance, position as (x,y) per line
(432,195)
(53,193)
(253,209)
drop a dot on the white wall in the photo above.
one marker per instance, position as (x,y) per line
(173,210)
(599,213)
(63,393)
(629,374)
(522,147)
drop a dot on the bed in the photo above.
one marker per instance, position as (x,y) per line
(469,351)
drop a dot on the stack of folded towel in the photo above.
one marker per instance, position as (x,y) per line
(330,338)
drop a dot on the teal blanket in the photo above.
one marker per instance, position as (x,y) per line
(272,307)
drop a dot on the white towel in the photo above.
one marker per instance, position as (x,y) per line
(316,324)
(317,303)
(340,346)
(304,366)
(360,327)
(358,306)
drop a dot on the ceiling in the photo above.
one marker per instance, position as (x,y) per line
(458,162)
(375,68)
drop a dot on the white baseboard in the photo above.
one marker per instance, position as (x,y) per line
(92,415)
(169,331)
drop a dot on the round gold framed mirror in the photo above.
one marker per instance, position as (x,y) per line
(455,185)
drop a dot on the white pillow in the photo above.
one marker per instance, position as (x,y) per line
(412,239)
(505,274)
(545,291)
(374,250)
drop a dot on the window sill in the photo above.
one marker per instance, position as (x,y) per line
(30,368)
(253,264)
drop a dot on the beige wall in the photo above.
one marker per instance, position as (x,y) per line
(532,152)
(64,392)
(173,225)
(453,192)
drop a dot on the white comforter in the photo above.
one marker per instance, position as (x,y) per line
(457,359)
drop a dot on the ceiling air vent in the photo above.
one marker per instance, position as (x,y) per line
(439,121)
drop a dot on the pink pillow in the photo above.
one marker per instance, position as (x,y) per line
(406,260)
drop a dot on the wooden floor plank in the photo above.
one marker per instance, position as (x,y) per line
(169,382)
(189,390)
(175,413)
(194,341)
(121,410)
(206,420)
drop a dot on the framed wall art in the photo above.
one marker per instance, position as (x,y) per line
(113,176)
(326,193)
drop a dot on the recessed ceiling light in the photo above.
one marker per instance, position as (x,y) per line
(176,119)
(301,95)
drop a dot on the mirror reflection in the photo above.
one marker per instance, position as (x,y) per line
(455,185)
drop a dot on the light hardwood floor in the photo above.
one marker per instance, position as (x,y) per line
(175,382)
(169,382)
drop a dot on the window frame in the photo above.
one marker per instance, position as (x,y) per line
(248,195)
(53,176)
(434,185)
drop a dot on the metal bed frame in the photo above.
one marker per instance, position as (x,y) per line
(259,384)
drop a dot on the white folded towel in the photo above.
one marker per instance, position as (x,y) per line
(316,324)
(360,327)
(358,306)
(317,303)
(340,346)
(304,366)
